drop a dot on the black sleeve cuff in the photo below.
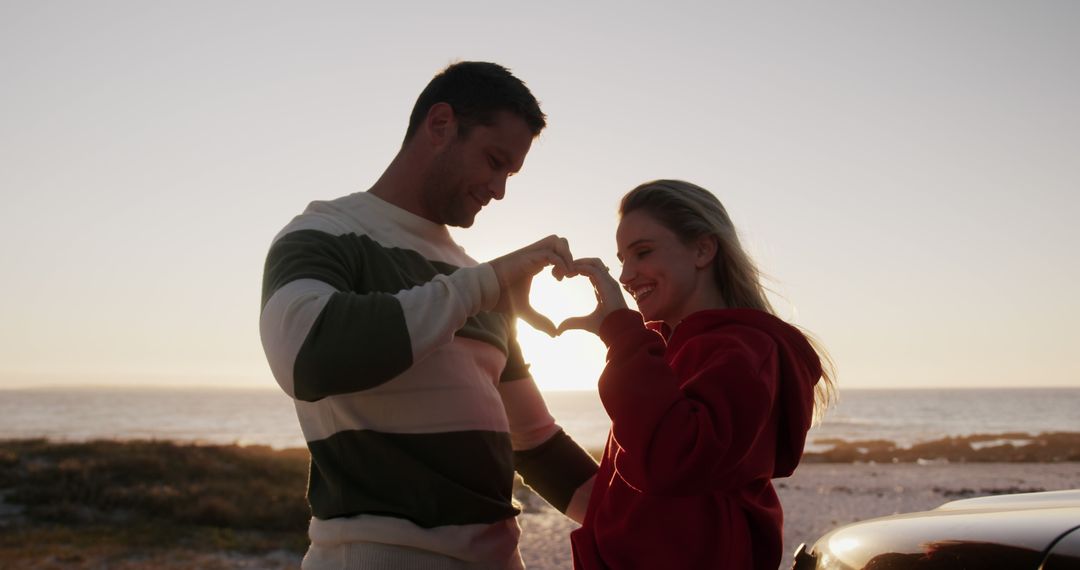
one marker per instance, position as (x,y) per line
(555,469)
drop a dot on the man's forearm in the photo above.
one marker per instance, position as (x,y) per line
(558,470)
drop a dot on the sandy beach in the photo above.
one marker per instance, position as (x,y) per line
(822,496)
(146,504)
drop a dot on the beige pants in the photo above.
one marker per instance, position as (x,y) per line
(377,556)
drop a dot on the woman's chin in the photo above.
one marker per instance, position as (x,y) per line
(647,314)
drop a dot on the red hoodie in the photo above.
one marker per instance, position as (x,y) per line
(700,424)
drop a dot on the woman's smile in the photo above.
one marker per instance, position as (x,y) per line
(640,292)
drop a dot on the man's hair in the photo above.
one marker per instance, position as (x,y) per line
(477,91)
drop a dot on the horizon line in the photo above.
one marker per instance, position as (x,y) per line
(273,388)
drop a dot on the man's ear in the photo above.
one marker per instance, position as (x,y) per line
(440,125)
(706,248)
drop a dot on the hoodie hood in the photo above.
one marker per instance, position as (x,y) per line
(799,369)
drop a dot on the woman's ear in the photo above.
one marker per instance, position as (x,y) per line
(706,248)
(440,125)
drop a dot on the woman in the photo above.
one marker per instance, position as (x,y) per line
(708,401)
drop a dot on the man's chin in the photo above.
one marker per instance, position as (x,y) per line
(460,222)
(461,219)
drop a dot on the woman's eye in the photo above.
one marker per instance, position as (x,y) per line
(643,253)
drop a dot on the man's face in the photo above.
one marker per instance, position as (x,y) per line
(472,170)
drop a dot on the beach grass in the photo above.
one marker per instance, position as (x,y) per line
(1051,447)
(151,504)
(78,504)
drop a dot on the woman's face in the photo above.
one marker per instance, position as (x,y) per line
(664,275)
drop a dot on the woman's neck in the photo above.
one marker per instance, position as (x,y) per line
(706,297)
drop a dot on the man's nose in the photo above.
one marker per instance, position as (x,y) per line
(498,186)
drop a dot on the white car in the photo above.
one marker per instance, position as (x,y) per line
(1027,531)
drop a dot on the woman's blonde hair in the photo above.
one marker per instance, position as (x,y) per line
(691,212)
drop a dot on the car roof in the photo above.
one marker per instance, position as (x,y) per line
(1026,522)
(1016,501)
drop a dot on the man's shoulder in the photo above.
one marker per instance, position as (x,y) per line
(345,215)
(367,218)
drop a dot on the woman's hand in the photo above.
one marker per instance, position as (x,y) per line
(609,297)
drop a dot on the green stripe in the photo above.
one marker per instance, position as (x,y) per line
(438,479)
(348,262)
(516,368)
(357,342)
(555,469)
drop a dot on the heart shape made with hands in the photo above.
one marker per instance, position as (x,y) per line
(560,300)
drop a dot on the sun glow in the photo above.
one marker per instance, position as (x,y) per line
(573,360)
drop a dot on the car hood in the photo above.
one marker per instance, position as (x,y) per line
(1013,530)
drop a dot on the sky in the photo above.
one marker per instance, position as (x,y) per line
(905,172)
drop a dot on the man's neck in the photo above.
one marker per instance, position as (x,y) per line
(400,184)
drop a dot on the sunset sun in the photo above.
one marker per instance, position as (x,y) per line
(574,360)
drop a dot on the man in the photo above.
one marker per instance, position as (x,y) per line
(400,353)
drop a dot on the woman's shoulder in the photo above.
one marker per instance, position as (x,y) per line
(755,332)
(757,335)
(747,323)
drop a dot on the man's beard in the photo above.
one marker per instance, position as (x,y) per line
(445,193)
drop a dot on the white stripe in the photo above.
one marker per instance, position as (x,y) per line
(387,225)
(530,422)
(436,310)
(493,545)
(285,322)
(453,389)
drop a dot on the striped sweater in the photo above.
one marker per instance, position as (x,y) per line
(415,401)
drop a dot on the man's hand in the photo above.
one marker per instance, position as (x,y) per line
(516,270)
(609,297)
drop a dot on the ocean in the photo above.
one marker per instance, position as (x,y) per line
(266,416)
